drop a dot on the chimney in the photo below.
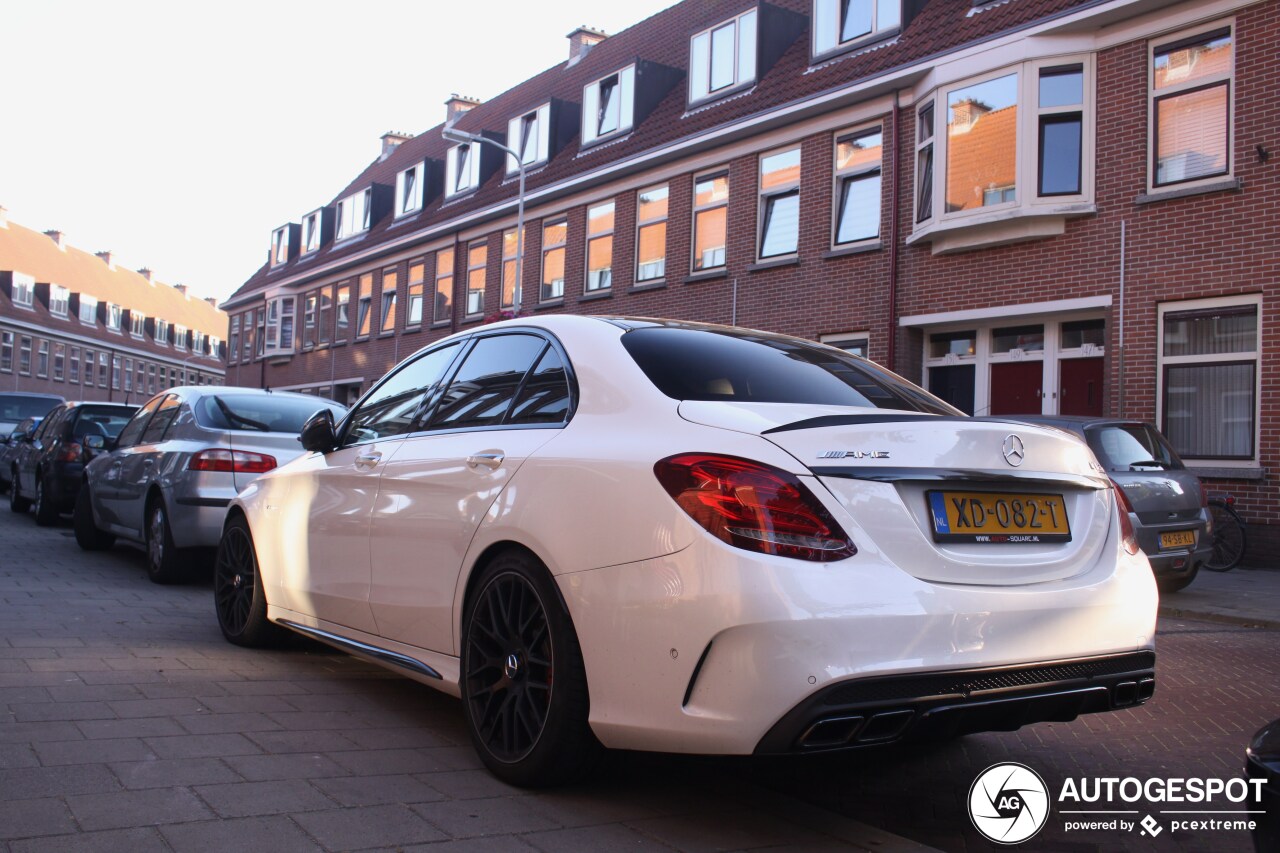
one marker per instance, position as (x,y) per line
(4,218)
(391,141)
(582,40)
(145,273)
(212,300)
(181,288)
(966,113)
(58,238)
(456,106)
(106,258)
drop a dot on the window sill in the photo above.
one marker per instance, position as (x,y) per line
(594,295)
(471,318)
(792,261)
(853,46)
(549,304)
(719,97)
(390,334)
(859,249)
(1223,472)
(656,284)
(606,139)
(337,344)
(441,324)
(723,272)
(1000,228)
(1224,185)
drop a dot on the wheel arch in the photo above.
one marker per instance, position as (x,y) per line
(467,583)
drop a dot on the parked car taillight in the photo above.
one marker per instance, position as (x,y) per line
(753,506)
(1128,538)
(70,452)
(238,461)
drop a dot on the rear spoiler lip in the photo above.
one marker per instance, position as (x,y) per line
(977,476)
(854,420)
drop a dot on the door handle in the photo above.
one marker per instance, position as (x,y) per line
(490,460)
(368,460)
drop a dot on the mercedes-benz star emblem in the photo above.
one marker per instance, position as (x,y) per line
(1014,451)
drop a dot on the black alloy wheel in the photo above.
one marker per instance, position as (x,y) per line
(524,686)
(238,596)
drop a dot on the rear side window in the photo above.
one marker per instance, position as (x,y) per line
(392,407)
(1132,447)
(257,412)
(161,419)
(97,421)
(741,367)
(485,385)
(544,399)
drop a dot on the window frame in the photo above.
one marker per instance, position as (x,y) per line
(59,300)
(722,172)
(444,272)
(511,289)
(477,272)
(765,198)
(417,190)
(842,178)
(548,248)
(6,351)
(415,289)
(42,359)
(280,246)
(364,306)
(342,312)
(314,220)
(1171,40)
(591,105)
(539,118)
(361,210)
(22,290)
(642,224)
(388,301)
(452,185)
(115,317)
(137,324)
(281,314)
(90,303)
(696,95)
(823,8)
(606,234)
(59,361)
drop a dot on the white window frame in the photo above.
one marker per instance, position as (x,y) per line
(280,246)
(59,361)
(475,296)
(59,300)
(764,197)
(88,305)
(23,290)
(354,214)
(115,315)
(311,232)
(6,352)
(410,201)
(197,342)
(42,359)
(641,224)
(279,325)
(1247,300)
(827,26)
(551,294)
(745,57)
(457,184)
(535,148)
(179,337)
(838,340)
(693,221)
(855,173)
(604,281)
(137,323)
(626,100)
(161,336)
(24,355)
(1155,44)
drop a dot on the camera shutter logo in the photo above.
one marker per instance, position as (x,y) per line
(1008,803)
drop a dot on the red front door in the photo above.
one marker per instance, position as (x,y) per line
(1081,392)
(1016,387)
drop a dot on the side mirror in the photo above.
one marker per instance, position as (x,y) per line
(318,433)
(15,436)
(95,442)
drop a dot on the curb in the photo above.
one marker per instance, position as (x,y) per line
(1221,618)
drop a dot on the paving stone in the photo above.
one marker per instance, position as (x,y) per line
(371,826)
(258,768)
(39,732)
(468,784)
(30,782)
(137,808)
(92,692)
(597,839)
(140,840)
(144,727)
(51,711)
(322,741)
(729,831)
(93,751)
(157,707)
(377,790)
(165,773)
(493,816)
(219,722)
(495,844)
(276,834)
(243,799)
(17,755)
(28,817)
(199,746)
(375,762)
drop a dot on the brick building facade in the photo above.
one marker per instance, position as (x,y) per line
(1054,206)
(80,326)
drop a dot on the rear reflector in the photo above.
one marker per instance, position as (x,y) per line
(753,506)
(232,461)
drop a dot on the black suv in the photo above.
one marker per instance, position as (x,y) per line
(49,464)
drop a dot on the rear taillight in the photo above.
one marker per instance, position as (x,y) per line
(70,452)
(753,506)
(232,461)
(1128,538)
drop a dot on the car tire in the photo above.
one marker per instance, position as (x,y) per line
(17,503)
(238,595)
(529,728)
(88,536)
(163,563)
(1177,583)
(46,509)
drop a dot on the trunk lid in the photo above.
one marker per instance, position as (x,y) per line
(283,446)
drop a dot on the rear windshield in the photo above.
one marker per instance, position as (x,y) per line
(93,420)
(17,407)
(745,367)
(1132,447)
(259,412)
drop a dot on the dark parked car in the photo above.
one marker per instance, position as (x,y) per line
(1262,761)
(16,407)
(1167,503)
(48,467)
(10,443)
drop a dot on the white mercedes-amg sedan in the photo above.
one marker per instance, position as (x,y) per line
(657,535)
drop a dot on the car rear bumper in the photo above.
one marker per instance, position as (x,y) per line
(713,650)
(196,520)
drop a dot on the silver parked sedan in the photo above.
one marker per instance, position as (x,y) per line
(176,465)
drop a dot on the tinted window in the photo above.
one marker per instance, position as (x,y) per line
(258,412)
(545,396)
(160,422)
(132,431)
(744,367)
(483,388)
(49,425)
(91,420)
(392,407)
(17,407)
(1125,447)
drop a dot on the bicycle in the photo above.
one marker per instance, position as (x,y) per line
(1228,534)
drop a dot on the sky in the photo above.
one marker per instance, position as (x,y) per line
(179,135)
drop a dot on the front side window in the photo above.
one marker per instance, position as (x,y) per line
(839,24)
(59,298)
(88,309)
(443,309)
(1191,107)
(390,283)
(600,246)
(529,135)
(779,203)
(651,233)
(417,273)
(554,236)
(1209,374)
(723,58)
(486,384)
(608,105)
(364,305)
(24,288)
(392,407)
(982,144)
(409,189)
(477,259)
(857,189)
(710,221)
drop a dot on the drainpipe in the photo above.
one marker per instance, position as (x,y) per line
(1121,353)
(893,239)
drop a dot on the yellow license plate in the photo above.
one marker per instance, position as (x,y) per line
(998,517)
(1178,539)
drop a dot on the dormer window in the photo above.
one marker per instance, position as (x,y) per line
(608,105)
(137,323)
(180,337)
(88,309)
(24,288)
(839,24)
(162,332)
(197,342)
(113,317)
(311,232)
(530,136)
(462,169)
(723,58)
(280,246)
(409,189)
(354,214)
(59,298)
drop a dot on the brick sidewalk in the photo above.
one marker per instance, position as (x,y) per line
(127,723)
(1249,597)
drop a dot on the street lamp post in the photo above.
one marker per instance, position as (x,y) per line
(185,381)
(461,137)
